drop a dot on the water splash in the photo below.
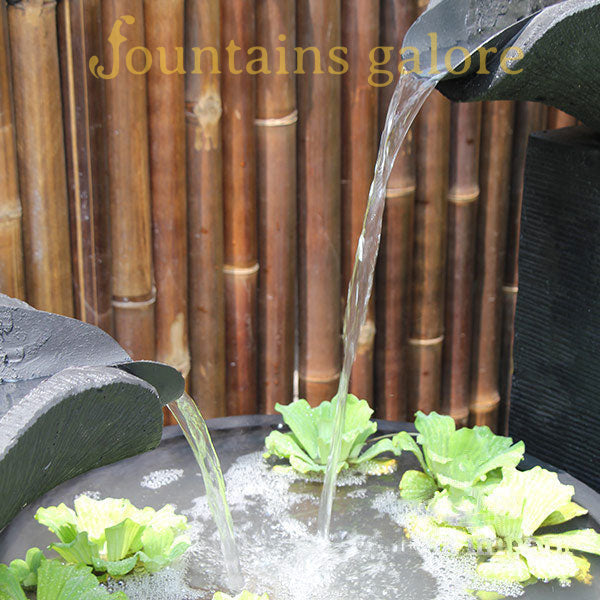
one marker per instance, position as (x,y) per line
(409,96)
(196,432)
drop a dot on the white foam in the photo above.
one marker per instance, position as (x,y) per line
(158,479)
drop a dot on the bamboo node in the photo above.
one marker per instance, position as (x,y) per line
(320,379)
(290,119)
(233,270)
(510,289)
(426,342)
(134,303)
(457,198)
(11,214)
(400,192)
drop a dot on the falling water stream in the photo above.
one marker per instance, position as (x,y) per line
(196,432)
(409,96)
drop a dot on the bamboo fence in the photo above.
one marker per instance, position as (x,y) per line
(205,208)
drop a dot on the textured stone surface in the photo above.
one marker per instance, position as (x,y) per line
(74,421)
(561,64)
(555,403)
(63,408)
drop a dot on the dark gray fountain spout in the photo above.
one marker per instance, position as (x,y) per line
(555,45)
(71,399)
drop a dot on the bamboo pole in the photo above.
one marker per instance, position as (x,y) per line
(41,154)
(205,210)
(12,275)
(80,36)
(427,319)
(392,294)
(164,25)
(134,295)
(360,33)
(557,119)
(240,218)
(529,117)
(276,147)
(319,172)
(496,148)
(463,196)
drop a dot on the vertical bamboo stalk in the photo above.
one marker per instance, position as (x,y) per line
(205,209)
(427,319)
(392,295)
(529,117)
(239,195)
(557,119)
(276,146)
(12,276)
(134,295)
(463,196)
(319,172)
(41,154)
(360,33)
(164,24)
(496,148)
(80,36)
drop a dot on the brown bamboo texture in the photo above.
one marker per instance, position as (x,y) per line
(134,295)
(80,36)
(240,216)
(319,197)
(205,210)
(529,117)
(463,196)
(12,274)
(276,118)
(393,277)
(41,154)
(496,147)
(164,26)
(427,318)
(360,34)
(557,119)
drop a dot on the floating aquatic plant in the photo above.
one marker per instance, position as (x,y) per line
(453,459)
(113,536)
(477,500)
(307,446)
(56,581)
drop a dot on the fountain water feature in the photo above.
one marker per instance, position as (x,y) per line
(409,96)
(196,432)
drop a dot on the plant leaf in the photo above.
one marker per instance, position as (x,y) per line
(10,587)
(549,564)
(71,582)
(79,551)
(26,570)
(584,540)
(119,539)
(404,441)
(375,450)
(565,513)
(416,485)
(299,417)
(504,566)
(60,520)
(524,499)
(94,516)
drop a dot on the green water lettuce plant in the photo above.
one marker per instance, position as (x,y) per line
(457,460)
(307,446)
(475,499)
(114,537)
(56,581)
(26,570)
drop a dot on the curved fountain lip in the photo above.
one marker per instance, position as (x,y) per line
(65,388)
(560,65)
